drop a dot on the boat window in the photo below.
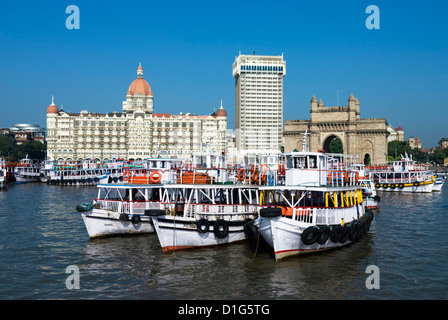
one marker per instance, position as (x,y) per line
(299,162)
(312,162)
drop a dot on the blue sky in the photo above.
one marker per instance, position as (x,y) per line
(399,72)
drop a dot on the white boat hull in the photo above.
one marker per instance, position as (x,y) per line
(26,178)
(284,236)
(102,223)
(438,185)
(177,233)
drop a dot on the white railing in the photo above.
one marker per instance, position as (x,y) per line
(326,216)
(192,210)
(137,207)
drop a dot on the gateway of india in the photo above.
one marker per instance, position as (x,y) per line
(365,138)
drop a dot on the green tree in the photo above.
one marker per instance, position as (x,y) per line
(335,146)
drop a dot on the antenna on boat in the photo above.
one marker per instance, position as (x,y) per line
(304,144)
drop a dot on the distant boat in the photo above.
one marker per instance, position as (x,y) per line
(403,175)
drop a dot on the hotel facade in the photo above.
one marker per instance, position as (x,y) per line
(258,103)
(135,133)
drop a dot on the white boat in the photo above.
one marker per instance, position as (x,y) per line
(121,209)
(320,207)
(126,208)
(403,175)
(27,170)
(71,172)
(299,219)
(206,214)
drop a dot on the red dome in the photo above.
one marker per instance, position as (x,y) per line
(221,112)
(52,107)
(140,86)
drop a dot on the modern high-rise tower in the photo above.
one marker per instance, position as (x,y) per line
(258,103)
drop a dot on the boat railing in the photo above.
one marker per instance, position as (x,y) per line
(192,210)
(324,215)
(128,207)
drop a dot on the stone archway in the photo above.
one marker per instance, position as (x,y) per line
(367,159)
(358,136)
(333,144)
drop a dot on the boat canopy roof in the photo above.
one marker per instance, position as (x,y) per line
(310,188)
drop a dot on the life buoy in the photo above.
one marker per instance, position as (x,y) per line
(264,167)
(241,175)
(309,235)
(347,177)
(220,229)
(126,175)
(255,176)
(202,225)
(357,177)
(281,169)
(324,234)
(155,177)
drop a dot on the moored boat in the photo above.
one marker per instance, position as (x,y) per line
(403,175)
(121,209)
(299,219)
(27,170)
(204,214)
(320,206)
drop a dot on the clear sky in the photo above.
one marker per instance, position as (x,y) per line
(399,72)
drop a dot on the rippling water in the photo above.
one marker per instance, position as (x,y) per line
(41,234)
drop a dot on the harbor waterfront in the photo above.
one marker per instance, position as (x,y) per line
(43,238)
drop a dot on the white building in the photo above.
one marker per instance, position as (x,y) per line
(258,103)
(135,133)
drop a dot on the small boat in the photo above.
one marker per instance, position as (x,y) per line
(403,175)
(27,170)
(121,209)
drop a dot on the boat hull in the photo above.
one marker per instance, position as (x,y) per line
(101,223)
(26,178)
(178,233)
(284,235)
